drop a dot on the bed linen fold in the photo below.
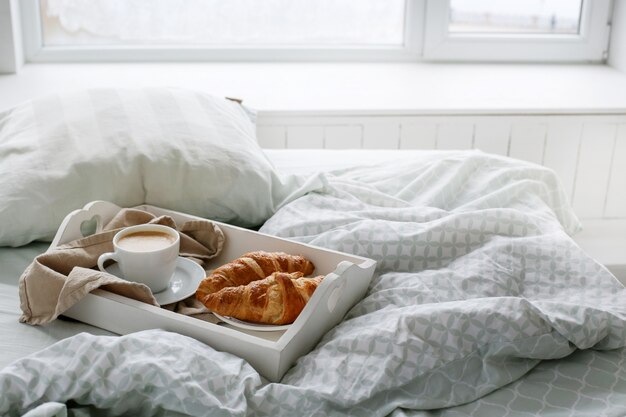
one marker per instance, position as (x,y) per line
(62,276)
(477,282)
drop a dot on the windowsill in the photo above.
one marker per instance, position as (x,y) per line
(352,88)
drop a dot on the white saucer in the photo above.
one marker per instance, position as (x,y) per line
(183,284)
(251,326)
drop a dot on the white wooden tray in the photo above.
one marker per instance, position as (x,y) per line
(270,353)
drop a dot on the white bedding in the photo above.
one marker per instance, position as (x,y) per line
(477,282)
(306,161)
(17,339)
(181,149)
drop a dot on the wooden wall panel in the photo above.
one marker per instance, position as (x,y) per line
(305,137)
(418,135)
(343,137)
(272,137)
(455,136)
(616,198)
(528,141)
(594,164)
(381,135)
(561,153)
(493,135)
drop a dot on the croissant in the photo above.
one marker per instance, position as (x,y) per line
(251,267)
(277,299)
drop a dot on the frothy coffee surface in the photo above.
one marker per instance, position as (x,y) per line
(145,241)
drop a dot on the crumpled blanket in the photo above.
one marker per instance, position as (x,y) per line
(477,282)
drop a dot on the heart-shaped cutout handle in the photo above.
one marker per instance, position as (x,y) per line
(90,227)
(335,295)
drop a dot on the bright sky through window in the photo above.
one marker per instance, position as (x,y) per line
(515,16)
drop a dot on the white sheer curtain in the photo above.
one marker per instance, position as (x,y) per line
(282,22)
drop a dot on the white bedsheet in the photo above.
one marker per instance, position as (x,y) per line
(17,339)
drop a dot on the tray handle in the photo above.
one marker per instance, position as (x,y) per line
(339,285)
(84,222)
(335,296)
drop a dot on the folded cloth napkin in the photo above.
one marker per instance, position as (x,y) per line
(59,278)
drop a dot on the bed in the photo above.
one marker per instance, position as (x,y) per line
(482,305)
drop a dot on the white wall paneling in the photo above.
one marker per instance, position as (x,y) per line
(528,141)
(381,135)
(595,158)
(305,137)
(458,135)
(272,137)
(493,135)
(418,135)
(561,151)
(616,197)
(343,137)
(588,152)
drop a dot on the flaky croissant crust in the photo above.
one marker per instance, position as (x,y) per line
(277,299)
(250,267)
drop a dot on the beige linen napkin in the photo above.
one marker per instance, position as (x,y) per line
(59,278)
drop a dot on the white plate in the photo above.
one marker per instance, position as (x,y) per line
(251,326)
(184,282)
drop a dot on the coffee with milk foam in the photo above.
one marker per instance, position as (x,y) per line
(145,241)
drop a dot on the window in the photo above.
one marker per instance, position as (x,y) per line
(529,16)
(200,30)
(453,30)
(517,30)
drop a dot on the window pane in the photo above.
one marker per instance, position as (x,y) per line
(223,22)
(515,16)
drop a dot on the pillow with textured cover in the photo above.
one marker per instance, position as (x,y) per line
(177,149)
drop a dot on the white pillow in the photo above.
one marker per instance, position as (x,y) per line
(172,148)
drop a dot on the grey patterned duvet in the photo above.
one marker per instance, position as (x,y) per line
(481,305)
(586,383)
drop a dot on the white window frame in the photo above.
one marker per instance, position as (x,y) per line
(35,51)
(589,45)
(426,38)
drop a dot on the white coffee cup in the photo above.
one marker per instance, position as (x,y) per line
(146,253)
